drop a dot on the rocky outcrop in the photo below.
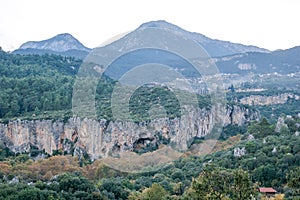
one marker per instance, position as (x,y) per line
(250,137)
(100,138)
(239,152)
(268,100)
(280,124)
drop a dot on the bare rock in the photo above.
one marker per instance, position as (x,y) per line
(100,138)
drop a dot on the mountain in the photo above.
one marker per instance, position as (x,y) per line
(60,43)
(230,57)
(214,47)
(140,56)
(66,45)
(63,44)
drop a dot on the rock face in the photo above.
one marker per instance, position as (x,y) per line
(100,138)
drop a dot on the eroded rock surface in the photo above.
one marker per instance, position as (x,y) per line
(100,138)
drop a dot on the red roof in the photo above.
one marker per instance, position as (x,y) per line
(267,190)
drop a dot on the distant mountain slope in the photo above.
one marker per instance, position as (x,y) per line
(282,62)
(63,44)
(257,61)
(214,47)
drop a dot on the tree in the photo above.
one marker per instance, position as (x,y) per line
(217,183)
(265,128)
(294,181)
(294,178)
(231,88)
(265,174)
(115,188)
(155,192)
(213,183)
(14,105)
(74,182)
(242,186)
(177,175)
(260,129)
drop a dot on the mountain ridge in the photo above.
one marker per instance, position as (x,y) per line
(214,47)
(61,43)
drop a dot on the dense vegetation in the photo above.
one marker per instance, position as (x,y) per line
(34,85)
(219,175)
(41,86)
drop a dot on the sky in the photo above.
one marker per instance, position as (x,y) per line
(271,24)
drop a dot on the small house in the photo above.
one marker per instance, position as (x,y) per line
(267,191)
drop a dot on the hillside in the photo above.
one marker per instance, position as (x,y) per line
(281,62)
(267,160)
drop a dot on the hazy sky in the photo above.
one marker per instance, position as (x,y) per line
(272,24)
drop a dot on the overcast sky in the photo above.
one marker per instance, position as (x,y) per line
(271,24)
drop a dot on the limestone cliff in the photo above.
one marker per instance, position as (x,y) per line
(100,138)
(268,100)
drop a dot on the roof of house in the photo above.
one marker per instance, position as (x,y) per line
(266,190)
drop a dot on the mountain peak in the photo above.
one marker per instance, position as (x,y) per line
(65,36)
(215,48)
(59,43)
(161,24)
(157,23)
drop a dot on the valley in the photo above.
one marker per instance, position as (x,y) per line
(182,139)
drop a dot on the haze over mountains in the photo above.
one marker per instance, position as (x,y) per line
(230,57)
(66,44)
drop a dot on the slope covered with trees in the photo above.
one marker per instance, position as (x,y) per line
(271,159)
(35,84)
